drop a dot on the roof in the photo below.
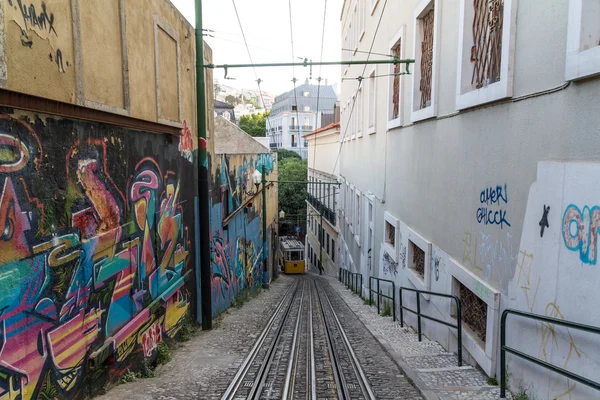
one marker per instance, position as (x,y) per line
(324,97)
(222,104)
(291,243)
(230,139)
(325,128)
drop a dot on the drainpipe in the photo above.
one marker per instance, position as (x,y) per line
(205,267)
(264,221)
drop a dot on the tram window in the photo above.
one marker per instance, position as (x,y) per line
(295,255)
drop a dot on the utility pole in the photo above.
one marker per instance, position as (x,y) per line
(203,205)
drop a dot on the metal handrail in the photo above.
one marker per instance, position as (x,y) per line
(558,370)
(350,279)
(379,294)
(458,325)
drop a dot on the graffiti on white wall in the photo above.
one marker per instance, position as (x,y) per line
(580,231)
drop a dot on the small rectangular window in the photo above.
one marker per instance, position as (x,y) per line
(332,250)
(418,260)
(474,312)
(328,243)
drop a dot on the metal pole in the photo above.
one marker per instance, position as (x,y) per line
(394,300)
(370,292)
(401,308)
(419,315)
(503,356)
(459,324)
(378,296)
(264,224)
(203,204)
(307,63)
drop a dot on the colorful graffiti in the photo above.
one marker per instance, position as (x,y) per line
(93,259)
(186,143)
(236,238)
(580,232)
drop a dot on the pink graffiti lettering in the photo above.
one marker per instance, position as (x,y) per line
(151,338)
(580,231)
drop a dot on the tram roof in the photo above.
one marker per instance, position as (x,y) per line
(291,243)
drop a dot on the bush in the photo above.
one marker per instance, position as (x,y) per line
(164,353)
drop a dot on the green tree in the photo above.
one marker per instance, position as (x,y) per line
(253,103)
(282,154)
(234,101)
(254,124)
(292,196)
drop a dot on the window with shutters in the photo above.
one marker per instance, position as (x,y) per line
(425,68)
(486,49)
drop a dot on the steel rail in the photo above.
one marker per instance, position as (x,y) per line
(239,376)
(338,374)
(361,377)
(313,369)
(290,374)
(261,376)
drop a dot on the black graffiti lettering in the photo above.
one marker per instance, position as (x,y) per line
(495,195)
(490,217)
(43,21)
(59,61)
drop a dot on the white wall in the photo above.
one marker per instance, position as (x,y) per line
(431,174)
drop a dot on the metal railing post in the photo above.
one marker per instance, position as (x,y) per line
(378,296)
(503,356)
(393,302)
(370,292)
(459,324)
(401,309)
(419,316)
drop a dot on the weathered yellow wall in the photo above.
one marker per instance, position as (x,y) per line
(87,36)
(168,83)
(32,50)
(102,50)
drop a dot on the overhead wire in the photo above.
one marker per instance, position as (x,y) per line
(258,80)
(359,86)
(374,76)
(294,80)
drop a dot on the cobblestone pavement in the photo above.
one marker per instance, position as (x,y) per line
(433,370)
(204,367)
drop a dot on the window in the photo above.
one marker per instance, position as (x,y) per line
(391,227)
(474,312)
(306,94)
(359,112)
(396,81)
(583,39)
(424,103)
(372,101)
(294,144)
(306,121)
(295,108)
(306,108)
(328,243)
(357,216)
(418,259)
(332,250)
(486,48)
(296,255)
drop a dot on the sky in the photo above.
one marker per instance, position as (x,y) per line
(266,24)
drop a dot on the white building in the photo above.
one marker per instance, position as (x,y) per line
(296,113)
(477,174)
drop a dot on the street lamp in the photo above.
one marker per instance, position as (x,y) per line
(257,180)
(281,214)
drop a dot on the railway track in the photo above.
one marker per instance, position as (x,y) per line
(302,353)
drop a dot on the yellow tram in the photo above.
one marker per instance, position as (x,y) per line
(291,255)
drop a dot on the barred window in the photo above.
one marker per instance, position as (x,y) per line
(427,25)
(486,52)
(474,312)
(396,82)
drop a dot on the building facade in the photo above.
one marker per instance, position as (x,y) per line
(296,113)
(470,175)
(225,110)
(322,196)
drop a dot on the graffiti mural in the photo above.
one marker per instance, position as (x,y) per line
(490,211)
(580,232)
(94,251)
(236,226)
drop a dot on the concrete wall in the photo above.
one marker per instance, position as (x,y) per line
(436,178)
(97,242)
(236,240)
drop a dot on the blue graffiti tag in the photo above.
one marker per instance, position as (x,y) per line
(492,213)
(580,232)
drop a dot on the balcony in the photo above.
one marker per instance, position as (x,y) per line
(327,213)
(307,128)
(273,145)
(294,127)
(280,128)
